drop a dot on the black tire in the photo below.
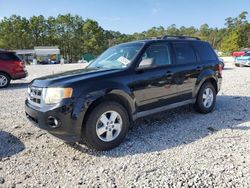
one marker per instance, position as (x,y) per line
(237,65)
(6,76)
(89,134)
(199,105)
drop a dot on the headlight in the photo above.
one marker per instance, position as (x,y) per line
(55,95)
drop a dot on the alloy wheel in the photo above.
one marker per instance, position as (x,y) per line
(109,126)
(3,81)
(207,98)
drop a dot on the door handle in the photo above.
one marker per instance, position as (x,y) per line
(199,68)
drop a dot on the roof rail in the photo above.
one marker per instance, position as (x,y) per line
(179,37)
(155,38)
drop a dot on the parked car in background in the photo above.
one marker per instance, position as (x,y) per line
(243,60)
(11,68)
(240,53)
(82,61)
(222,62)
(48,62)
(219,53)
(98,104)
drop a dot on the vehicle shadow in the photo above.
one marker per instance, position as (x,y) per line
(16,86)
(9,145)
(227,68)
(179,127)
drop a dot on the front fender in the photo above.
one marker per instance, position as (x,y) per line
(87,97)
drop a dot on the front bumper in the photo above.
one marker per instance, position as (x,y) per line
(68,129)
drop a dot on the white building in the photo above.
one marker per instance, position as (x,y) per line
(43,54)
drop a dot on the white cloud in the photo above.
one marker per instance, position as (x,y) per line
(1,18)
(155,11)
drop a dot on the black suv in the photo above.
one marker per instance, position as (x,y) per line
(98,104)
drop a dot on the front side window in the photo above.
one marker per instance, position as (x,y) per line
(159,53)
(184,53)
(117,57)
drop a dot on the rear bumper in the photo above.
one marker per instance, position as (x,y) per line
(68,129)
(20,75)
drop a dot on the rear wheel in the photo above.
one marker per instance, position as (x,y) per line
(206,98)
(4,80)
(106,126)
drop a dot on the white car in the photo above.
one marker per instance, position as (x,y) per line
(82,61)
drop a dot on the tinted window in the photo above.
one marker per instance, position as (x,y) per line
(205,51)
(160,54)
(8,56)
(184,53)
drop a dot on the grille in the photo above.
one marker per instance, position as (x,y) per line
(35,96)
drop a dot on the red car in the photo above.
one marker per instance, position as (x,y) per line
(11,68)
(240,53)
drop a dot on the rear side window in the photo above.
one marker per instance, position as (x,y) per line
(184,53)
(160,54)
(9,56)
(205,51)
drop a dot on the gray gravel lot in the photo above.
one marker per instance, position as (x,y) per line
(178,148)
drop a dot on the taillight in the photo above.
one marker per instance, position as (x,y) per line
(220,70)
(20,64)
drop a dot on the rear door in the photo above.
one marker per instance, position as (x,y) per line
(187,69)
(8,62)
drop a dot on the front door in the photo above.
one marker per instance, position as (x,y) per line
(154,87)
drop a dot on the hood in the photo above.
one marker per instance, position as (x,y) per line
(66,78)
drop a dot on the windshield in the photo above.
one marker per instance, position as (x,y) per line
(117,57)
(247,54)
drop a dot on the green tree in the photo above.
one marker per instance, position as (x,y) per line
(74,36)
(38,30)
(69,33)
(14,32)
(237,34)
(173,30)
(93,37)
(231,42)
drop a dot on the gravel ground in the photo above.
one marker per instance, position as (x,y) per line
(178,148)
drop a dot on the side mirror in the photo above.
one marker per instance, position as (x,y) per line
(146,63)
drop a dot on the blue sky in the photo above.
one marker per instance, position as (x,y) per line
(129,16)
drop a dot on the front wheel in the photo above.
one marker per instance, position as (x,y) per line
(4,80)
(206,98)
(106,126)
